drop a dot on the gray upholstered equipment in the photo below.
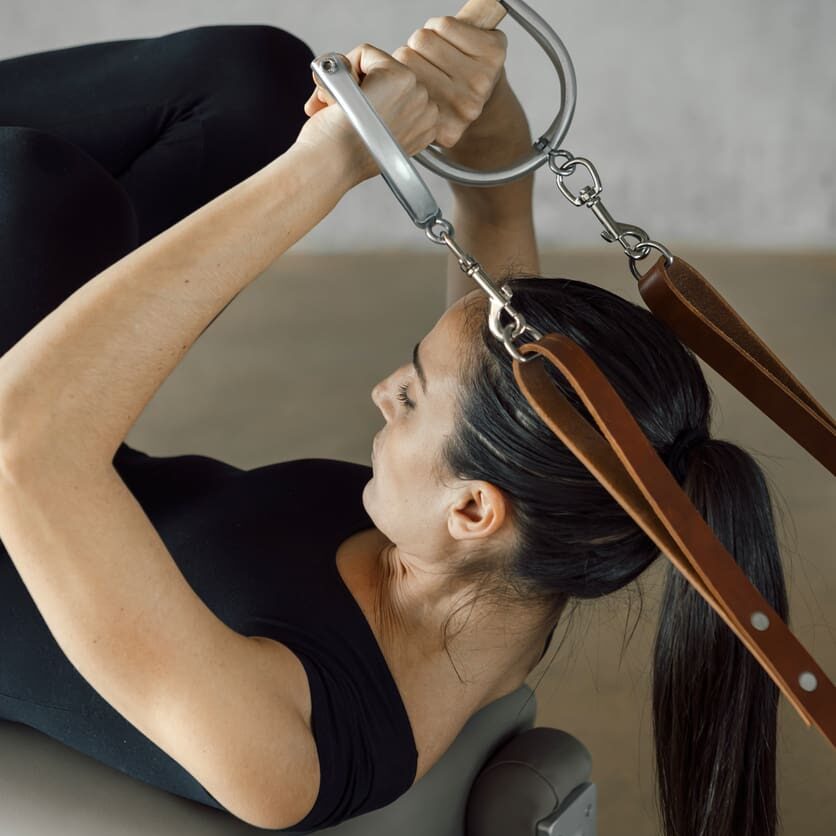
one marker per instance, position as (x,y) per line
(501,777)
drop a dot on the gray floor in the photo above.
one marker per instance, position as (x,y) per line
(286,372)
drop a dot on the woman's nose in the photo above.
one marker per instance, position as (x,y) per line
(377,395)
(381,399)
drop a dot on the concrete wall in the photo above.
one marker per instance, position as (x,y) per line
(711,123)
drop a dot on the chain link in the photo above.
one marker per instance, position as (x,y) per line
(590,196)
(440,231)
(499,296)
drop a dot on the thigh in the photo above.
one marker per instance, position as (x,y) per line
(63,219)
(177,118)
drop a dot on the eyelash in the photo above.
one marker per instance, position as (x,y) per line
(403,397)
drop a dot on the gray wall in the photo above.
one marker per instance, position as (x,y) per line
(711,123)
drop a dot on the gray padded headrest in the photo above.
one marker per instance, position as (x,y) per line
(538,769)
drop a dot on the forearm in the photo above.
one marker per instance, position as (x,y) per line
(495,225)
(499,242)
(75,384)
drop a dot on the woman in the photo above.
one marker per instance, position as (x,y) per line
(232,636)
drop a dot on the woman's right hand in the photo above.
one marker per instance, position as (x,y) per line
(396,94)
(463,67)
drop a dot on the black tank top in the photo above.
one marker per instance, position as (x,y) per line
(259,548)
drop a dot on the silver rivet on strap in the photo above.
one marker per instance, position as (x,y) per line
(807,681)
(759,620)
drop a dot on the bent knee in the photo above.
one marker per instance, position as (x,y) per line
(248,48)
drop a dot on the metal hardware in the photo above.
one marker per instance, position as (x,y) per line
(499,297)
(332,70)
(760,621)
(576,815)
(590,196)
(808,681)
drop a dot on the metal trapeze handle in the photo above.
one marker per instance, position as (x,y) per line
(397,169)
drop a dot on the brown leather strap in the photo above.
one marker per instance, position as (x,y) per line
(624,461)
(703,320)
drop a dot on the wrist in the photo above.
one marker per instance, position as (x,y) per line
(338,163)
(498,140)
(496,203)
(501,132)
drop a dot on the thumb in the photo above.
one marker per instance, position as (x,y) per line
(321,97)
(316,102)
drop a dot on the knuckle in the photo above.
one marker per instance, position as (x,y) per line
(481,84)
(420,39)
(470,110)
(500,40)
(402,54)
(448,137)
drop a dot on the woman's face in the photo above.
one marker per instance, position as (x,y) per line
(405,498)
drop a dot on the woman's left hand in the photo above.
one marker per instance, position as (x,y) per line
(397,96)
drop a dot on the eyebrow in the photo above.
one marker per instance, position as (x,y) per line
(416,361)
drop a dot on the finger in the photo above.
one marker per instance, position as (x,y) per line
(439,52)
(436,80)
(365,58)
(458,106)
(313,105)
(320,95)
(465,37)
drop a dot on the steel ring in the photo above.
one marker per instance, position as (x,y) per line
(648,245)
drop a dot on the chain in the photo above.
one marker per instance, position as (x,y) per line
(590,196)
(499,296)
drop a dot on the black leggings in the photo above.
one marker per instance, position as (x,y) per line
(105,145)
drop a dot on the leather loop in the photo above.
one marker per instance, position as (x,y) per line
(703,320)
(626,464)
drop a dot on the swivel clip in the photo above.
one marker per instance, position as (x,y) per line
(590,196)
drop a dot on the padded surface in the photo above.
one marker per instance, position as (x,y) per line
(47,788)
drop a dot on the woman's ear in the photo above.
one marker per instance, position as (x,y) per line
(479,511)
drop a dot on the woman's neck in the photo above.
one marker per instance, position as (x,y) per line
(486,647)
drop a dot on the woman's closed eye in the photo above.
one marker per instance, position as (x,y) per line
(402,396)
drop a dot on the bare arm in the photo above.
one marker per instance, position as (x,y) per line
(71,388)
(223,705)
(495,225)
(499,239)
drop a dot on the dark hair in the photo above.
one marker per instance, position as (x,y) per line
(714,708)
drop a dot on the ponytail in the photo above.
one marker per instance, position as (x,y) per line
(714,707)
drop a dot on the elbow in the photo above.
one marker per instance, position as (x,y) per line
(275,813)
(12,466)
(26,462)
(21,422)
